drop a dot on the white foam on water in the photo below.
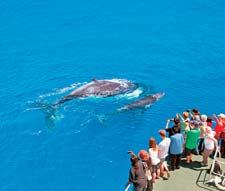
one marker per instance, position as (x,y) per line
(136,93)
(66,89)
(37,133)
(123,82)
(33,108)
(85,122)
(57,117)
(147,106)
(101,118)
(61,90)
(77,131)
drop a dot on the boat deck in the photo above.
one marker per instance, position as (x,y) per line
(190,177)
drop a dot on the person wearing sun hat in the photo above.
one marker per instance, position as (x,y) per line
(220,124)
(202,126)
(176,127)
(222,115)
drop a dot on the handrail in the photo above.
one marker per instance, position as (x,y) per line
(127,188)
(217,179)
(214,160)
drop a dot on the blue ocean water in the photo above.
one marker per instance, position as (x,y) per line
(48,48)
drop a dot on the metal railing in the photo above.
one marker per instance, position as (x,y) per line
(128,187)
(217,177)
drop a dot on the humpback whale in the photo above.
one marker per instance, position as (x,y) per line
(143,102)
(100,88)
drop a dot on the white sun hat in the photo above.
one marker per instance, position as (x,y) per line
(221,115)
(204,118)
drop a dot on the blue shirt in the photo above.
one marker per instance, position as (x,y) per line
(176,145)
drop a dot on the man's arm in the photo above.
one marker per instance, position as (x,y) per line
(167,123)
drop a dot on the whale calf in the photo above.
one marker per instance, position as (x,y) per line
(100,88)
(143,102)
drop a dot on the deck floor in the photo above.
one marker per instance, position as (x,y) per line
(190,177)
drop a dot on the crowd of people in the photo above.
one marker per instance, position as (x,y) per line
(191,133)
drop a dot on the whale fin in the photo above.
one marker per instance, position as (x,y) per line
(50,111)
(63,100)
(94,80)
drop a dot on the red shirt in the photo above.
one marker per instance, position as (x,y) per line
(220,126)
(209,124)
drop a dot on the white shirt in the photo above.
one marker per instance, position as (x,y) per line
(164,148)
(209,143)
(154,156)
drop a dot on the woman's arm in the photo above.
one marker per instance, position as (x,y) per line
(167,123)
(215,117)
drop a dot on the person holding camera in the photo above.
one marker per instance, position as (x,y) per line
(176,127)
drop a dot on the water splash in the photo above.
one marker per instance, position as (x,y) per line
(51,110)
(61,90)
(52,114)
(136,93)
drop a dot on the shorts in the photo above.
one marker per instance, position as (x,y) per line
(155,168)
(190,151)
(163,159)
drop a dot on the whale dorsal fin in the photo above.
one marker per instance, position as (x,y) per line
(94,80)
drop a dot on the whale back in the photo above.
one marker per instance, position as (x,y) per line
(143,102)
(100,88)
